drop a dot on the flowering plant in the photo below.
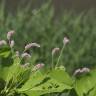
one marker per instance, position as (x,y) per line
(20,77)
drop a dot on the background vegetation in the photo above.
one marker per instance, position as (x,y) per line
(41,26)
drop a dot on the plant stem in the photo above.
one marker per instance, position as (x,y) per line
(52,62)
(60,56)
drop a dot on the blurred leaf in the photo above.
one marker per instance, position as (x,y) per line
(34,79)
(61,76)
(51,86)
(85,83)
(5,51)
(92,92)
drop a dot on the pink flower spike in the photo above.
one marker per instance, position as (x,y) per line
(81,71)
(3,42)
(28,46)
(77,71)
(10,34)
(25,55)
(38,66)
(12,43)
(65,40)
(85,70)
(55,50)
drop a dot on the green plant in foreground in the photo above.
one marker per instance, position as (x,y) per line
(31,26)
(20,77)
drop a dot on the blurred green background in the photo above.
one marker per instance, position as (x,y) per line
(45,24)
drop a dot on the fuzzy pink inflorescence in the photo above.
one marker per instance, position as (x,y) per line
(83,70)
(26,55)
(12,43)
(10,34)
(30,45)
(38,66)
(65,40)
(3,42)
(55,50)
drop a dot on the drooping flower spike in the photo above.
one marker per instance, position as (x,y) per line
(26,55)
(30,45)
(80,71)
(3,42)
(77,72)
(38,66)
(10,34)
(65,40)
(12,43)
(55,50)
(85,70)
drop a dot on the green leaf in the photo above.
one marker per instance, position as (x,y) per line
(34,79)
(3,73)
(85,83)
(5,60)
(61,76)
(7,72)
(5,51)
(13,69)
(92,92)
(40,84)
(49,86)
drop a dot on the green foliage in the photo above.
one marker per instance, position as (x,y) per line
(21,79)
(28,80)
(84,87)
(17,79)
(41,25)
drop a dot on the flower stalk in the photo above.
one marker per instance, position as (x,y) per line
(65,41)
